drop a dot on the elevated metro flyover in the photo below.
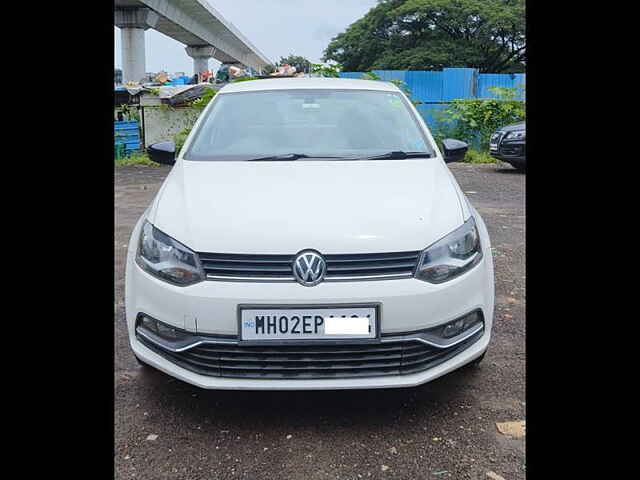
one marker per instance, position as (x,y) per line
(204,31)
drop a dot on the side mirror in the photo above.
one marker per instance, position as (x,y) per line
(162,152)
(454,150)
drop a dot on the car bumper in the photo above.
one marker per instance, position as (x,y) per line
(389,381)
(406,305)
(510,152)
(515,161)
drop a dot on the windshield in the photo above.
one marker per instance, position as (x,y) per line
(307,124)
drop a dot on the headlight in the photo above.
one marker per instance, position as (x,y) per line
(164,257)
(516,135)
(452,255)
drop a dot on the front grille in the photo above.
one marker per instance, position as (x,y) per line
(361,266)
(311,361)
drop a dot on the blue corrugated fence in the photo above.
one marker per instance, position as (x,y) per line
(425,86)
(509,80)
(437,89)
(450,83)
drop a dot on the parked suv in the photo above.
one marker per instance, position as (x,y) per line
(309,236)
(508,144)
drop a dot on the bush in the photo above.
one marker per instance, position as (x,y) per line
(474,156)
(127,113)
(473,120)
(370,76)
(444,128)
(180,137)
(245,79)
(199,104)
(136,158)
(203,101)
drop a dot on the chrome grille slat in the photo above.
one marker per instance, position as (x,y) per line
(371,257)
(234,261)
(304,350)
(254,268)
(309,366)
(278,267)
(299,360)
(246,257)
(342,268)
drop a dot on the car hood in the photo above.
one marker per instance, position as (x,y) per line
(330,206)
(513,127)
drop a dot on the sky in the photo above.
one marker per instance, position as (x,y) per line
(276,27)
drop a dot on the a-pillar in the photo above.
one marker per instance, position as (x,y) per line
(132,23)
(201,55)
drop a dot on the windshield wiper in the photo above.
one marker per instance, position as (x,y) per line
(397,155)
(286,156)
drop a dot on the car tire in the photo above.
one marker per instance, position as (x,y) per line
(518,167)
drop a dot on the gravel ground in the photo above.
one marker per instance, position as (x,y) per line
(444,429)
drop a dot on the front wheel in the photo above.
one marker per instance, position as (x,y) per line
(520,167)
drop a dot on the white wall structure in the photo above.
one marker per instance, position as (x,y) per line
(161,124)
(194,23)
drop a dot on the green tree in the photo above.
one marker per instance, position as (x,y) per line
(432,34)
(326,70)
(301,63)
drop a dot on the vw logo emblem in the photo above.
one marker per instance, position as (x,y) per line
(309,268)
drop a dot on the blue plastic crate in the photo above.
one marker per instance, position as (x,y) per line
(127,133)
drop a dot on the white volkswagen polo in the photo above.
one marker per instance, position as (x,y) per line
(309,236)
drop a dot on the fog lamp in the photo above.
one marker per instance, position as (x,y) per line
(454,328)
(148,324)
(460,325)
(161,329)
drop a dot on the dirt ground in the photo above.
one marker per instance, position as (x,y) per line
(444,429)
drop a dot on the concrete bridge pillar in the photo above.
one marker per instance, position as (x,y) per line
(132,23)
(201,55)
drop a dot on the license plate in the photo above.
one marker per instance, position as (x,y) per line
(308,323)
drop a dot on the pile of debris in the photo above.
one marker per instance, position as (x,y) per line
(229,72)
(286,70)
(172,95)
(163,91)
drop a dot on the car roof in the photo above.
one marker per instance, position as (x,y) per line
(308,82)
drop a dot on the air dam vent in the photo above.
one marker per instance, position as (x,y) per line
(399,357)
